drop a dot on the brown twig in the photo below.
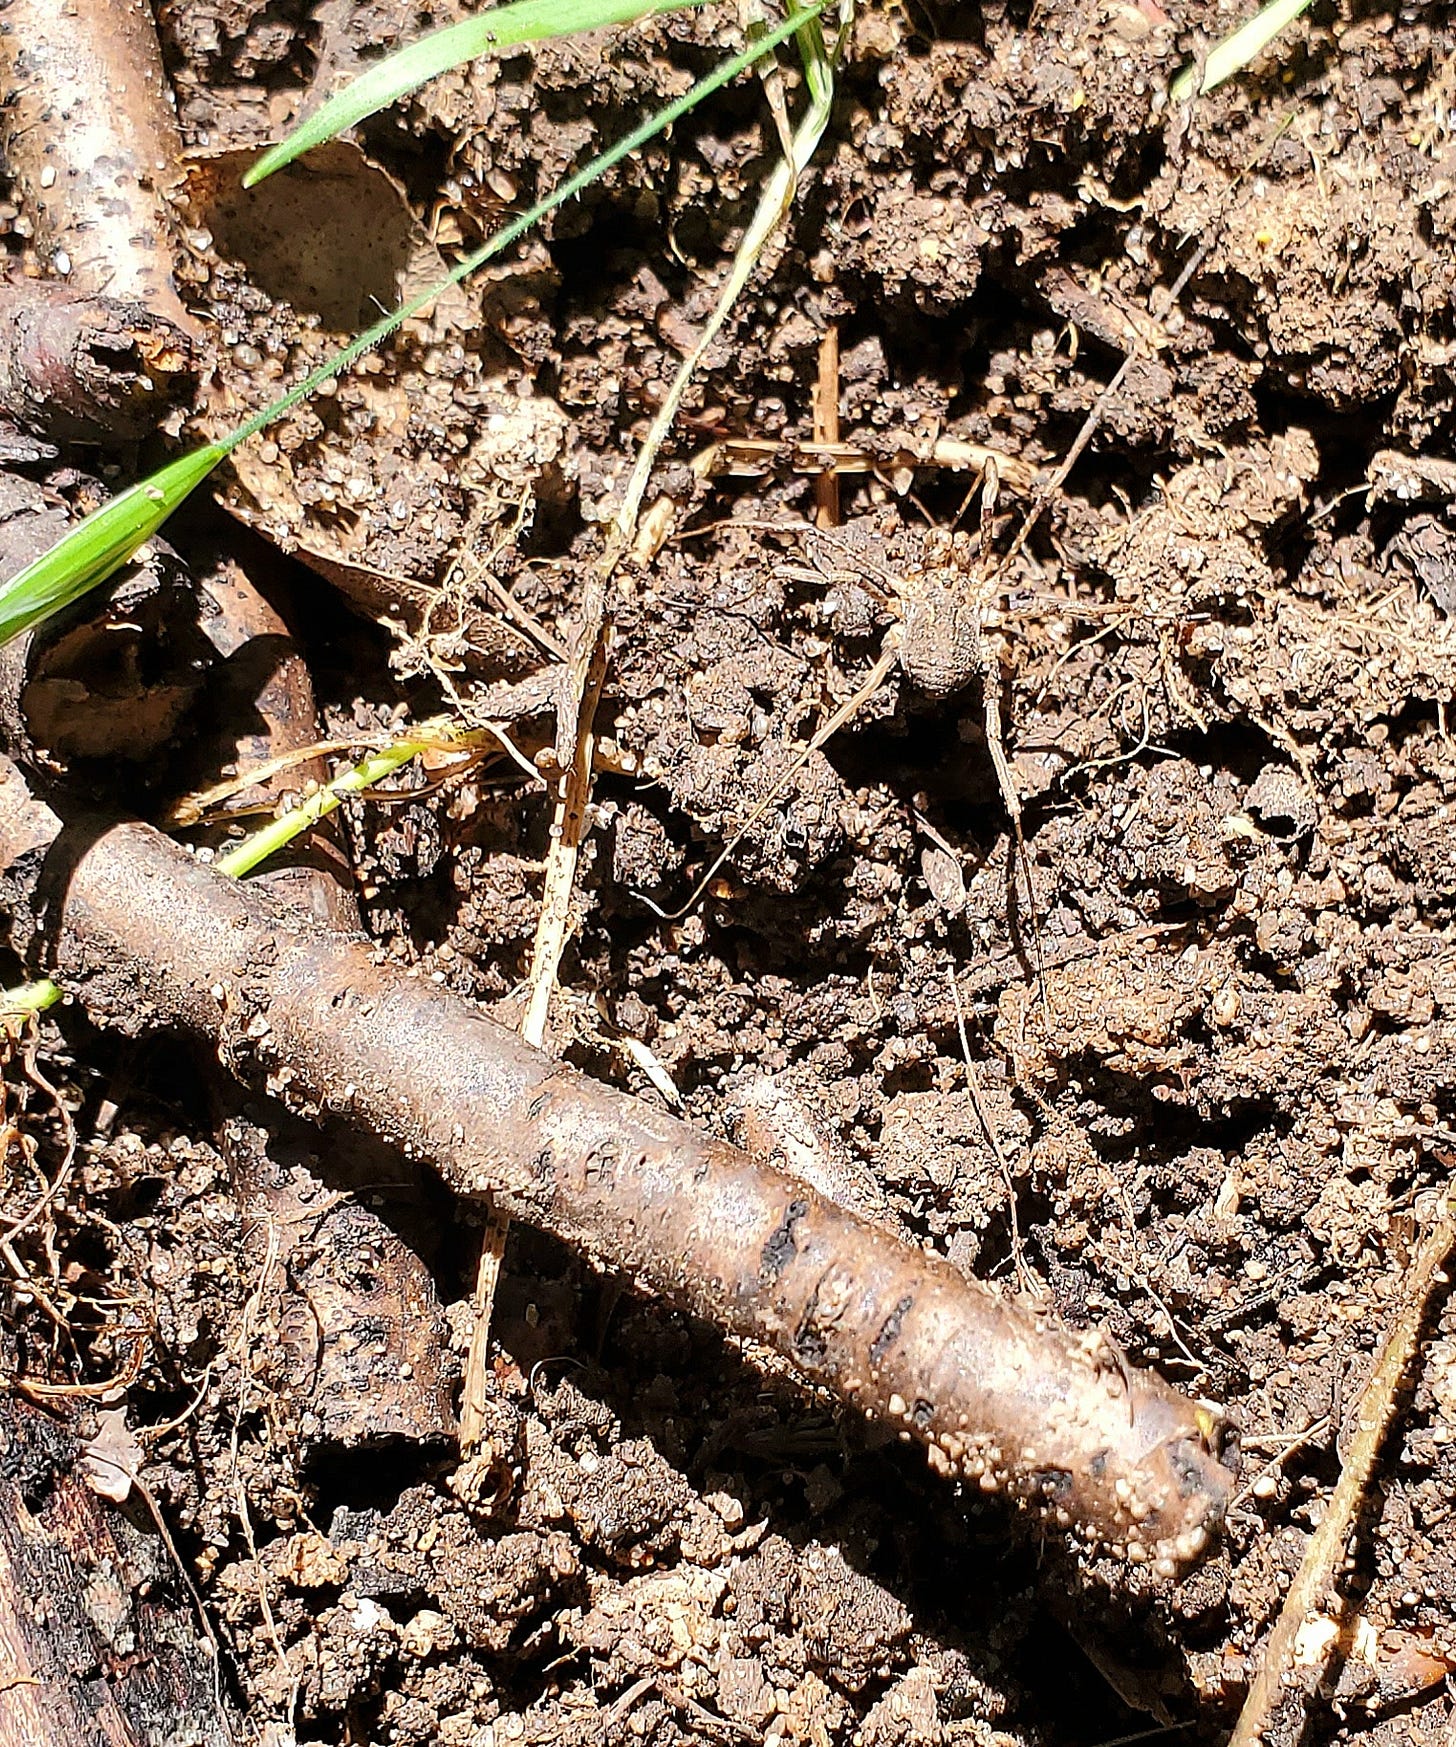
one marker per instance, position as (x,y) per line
(344,1267)
(575,746)
(90,141)
(89,138)
(88,369)
(1000,1393)
(1314,1596)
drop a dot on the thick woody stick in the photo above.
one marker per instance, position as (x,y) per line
(998,1393)
(90,142)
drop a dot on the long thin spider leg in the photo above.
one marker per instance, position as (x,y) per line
(991,723)
(990,491)
(996,746)
(873,681)
(840,576)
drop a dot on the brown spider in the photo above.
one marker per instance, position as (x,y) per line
(942,588)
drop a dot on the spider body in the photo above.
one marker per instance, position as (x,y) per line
(931,580)
(942,588)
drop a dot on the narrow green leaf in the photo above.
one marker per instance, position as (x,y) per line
(279,832)
(405,71)
(1235,52)
(631,142)
(101,543)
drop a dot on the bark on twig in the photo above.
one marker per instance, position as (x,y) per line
(99,1645)
(263,699)
(362,1354)
(76,368)
(91,146)
(998,1393)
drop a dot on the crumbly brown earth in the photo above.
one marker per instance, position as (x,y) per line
(1214,1047)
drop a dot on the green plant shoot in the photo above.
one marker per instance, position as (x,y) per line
(398,74)
(101,543)
(277,833)
(1235,52)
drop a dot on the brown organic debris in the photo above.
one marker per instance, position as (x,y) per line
(361,1355)
(75,368)
(98,1641)
(115,674)
(1000,1394)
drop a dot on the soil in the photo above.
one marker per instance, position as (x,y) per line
(1209,1040)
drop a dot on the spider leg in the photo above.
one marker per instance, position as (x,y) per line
(873,681)
(996,746)
(848,574)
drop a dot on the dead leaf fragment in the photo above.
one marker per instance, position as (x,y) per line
(113,1458)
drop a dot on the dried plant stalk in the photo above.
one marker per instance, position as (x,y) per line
(999,1393)
(1284,1679)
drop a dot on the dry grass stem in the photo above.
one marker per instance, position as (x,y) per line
(1307,1630)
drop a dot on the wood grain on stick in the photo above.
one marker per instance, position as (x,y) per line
(999,1393)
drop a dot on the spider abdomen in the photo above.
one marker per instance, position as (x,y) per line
(940,644)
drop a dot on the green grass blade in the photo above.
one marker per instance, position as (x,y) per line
(773,206)
(399,74)
(517,228)
(98,546)
(100,543)
(1235,52)
(29,998)
(279,832)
